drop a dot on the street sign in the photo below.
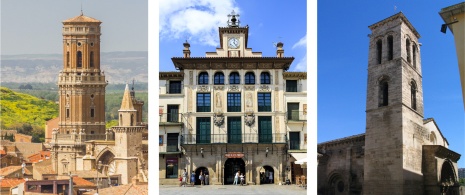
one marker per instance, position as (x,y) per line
(234,155)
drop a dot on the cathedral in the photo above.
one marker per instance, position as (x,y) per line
(401,152)
(81,143)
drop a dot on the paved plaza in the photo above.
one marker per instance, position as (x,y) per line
(232,189)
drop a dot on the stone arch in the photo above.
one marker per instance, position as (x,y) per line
(383,92)
(265,77)
(264,172)
(106,156)
(413,94)
(448,178)
(432,138)
(337,184)
(218,78)
(197,174)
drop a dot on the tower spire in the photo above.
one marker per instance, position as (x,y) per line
(126,104)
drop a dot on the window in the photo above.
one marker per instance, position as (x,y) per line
(67,59)
(379,51)
(203,102)
(264,129)
(414,56)
(291,85)
(294,141)
(413,97)
(67,112)
(174,87)
(203,130)
(249,78)
(79,59)
(407,46)
(293,111)
(265,78)
(203,78)
(234,78)
(91,59)
(173,113)
(383,93)
(171,167)
(92,112)
(172,142)
(264,102)
(234,130)
(390,47)
(234,102)
(218,78)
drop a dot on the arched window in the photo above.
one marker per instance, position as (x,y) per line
(203,78)
(383,93)
(219,78)
(249,78)
(432,138)
(390,40)
(407,46)
(265,78)
(234,78)
(91,59)
(120,120)
(79,59)
(67,59)
(413,94)
(414,56)
(379,51)
(132,120)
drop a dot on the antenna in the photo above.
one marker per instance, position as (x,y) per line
(81,9)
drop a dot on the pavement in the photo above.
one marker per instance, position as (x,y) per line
(268,189)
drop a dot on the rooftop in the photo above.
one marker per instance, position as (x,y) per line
(81,18)
(10,182)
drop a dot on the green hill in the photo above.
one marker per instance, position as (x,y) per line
(18,110)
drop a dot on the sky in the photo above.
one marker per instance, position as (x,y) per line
(343,62)
(34,27)
(269,22)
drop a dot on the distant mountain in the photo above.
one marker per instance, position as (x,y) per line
(18,109)
(119,67)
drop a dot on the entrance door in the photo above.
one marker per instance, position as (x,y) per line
(294,140)
(231,166)
(265,173)
(197,174)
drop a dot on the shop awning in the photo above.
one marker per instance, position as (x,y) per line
(299,157)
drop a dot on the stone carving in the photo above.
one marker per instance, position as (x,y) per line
(248,100)
(276,97)
(191,77)
(249,119)
(249,87)
(218,119)
(234,88)
(189,100)
(264,88)
(233,54)
(305,109)
(276,78)
(203,88)
(218,87)
(218,100)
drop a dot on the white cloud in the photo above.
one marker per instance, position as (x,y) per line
(195,20)
(301,43)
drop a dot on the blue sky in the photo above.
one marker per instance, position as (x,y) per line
(269,22)
(34,27)
(343,59)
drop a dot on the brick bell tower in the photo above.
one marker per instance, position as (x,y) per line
(81,86)
(394,110)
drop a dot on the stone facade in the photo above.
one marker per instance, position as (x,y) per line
(231,111)
(400,153)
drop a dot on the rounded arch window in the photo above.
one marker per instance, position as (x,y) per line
(203,78)
(218,78)
(234,78)
(265,78)
(249,78)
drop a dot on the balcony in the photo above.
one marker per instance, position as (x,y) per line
(293,88)
(168,119)
(233,139)
(296,116)
(169,148)
(174,88)
(294,145)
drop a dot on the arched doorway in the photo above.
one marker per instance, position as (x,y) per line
(336,185)
(448,179)
(265,172)
(107,169)
(231,166)
(197,174)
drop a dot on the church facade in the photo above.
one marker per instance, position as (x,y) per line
(232,110)
(400,152)
(81,143)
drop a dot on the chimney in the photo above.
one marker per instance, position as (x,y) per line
(186,51)
(279,50)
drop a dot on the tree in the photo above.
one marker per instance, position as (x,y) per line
(462,181)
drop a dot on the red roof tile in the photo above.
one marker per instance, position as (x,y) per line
(10,182)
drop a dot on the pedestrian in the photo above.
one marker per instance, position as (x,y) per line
(271,177)
(184,178)
(206,177)
(236,178)
(242,179)
(201,178)
(192,178)
(180,181)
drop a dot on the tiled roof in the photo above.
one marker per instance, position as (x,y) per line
(2,152)
(82,18)
(86,174)
(42,155)
(10,182)
(128,189)
(78,181)
(44,167)
(11,169)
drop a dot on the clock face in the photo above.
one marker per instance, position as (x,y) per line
(233,43)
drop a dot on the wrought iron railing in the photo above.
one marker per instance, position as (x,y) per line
(233,138)
(174,88)
(169,148)
(170,118)
(296,115)
(294,145)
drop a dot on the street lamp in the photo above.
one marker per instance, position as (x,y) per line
(99,165)
(201,151)
(266,151)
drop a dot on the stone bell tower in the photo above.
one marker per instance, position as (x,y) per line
(394,110)
(128,140)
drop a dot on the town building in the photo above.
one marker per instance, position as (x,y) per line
(461,173)
(400,152)
(232,110)
(454,18)
(81,142)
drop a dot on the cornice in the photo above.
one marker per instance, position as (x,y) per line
(397,16)
(221,63)
(298,75)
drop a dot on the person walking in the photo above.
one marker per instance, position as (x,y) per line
(236,178)
(192,178)
(184,178)
(201,178)
(206,177)
(180,181)
(271,177)
(242,179)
